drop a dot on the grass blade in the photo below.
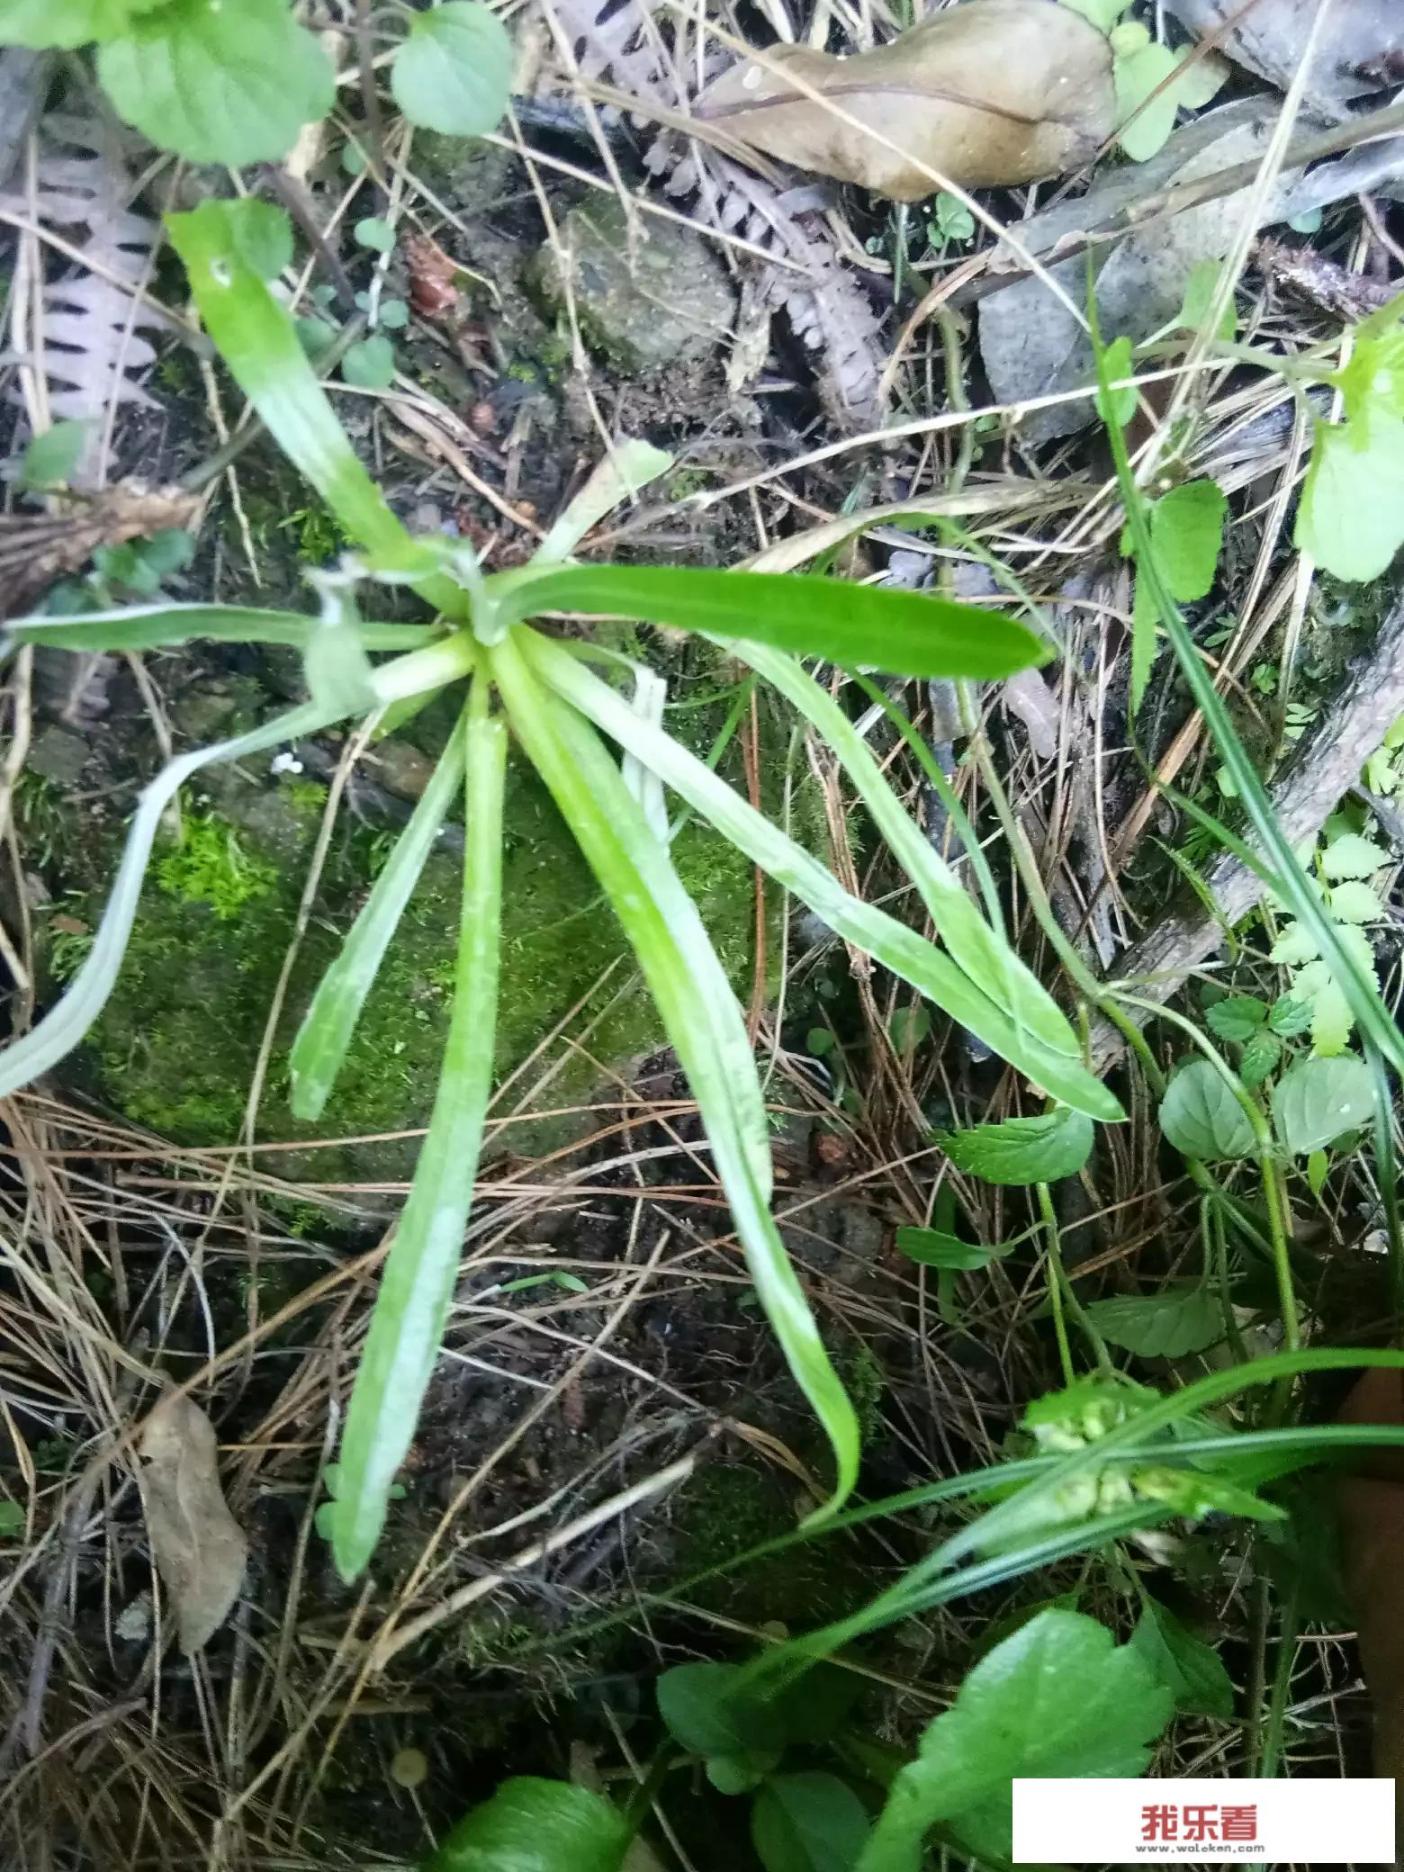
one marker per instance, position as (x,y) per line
(415,1289)
(627,469)
(983,953)
(699,1012)
(256,338)
(869,626)
(66,1023)
(321,1043)
(898,948)
(152,627)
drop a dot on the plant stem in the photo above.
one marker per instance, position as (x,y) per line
(1061,1294)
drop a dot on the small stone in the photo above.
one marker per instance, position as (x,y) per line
(662,297)
(409,1767)
(59,755)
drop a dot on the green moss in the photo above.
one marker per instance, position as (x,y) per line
(178,1044)
(208,865)
(863,1380)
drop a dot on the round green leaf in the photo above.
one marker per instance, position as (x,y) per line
(454,72)
(1201,1117)
(1321,1099)
(218,82)
(535,1825)
(50,459)
(1138,78)
(374,232)
(40,24)
(808,1823)
(370,365)
(702,1712)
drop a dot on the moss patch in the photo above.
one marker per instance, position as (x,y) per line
(177,1047)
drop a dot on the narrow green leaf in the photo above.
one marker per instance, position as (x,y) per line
(326,1030)
(979,951)
(416,1286)
(1319,1100)
(257,340)
(1020,1151)
(1058,1697)
(624,472)
(64,1026)
(907,954)
(50,459)
(930,1247)
(1190,1670)
(697,1006)
(534,1825)
(1169,1324)
(454,72)
(868,626)
(1201,1116)
(150,627)
(1117,406)
(809,1822)
(218,83)
(334,662)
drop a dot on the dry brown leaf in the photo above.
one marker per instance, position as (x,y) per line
(991,94)
(199,1548)
(36,549)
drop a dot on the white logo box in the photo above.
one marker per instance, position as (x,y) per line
(1132,1822)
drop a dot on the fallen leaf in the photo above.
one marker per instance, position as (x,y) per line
(199,1548)
(37,549)
(1361,47)
(992,94)
(432,275)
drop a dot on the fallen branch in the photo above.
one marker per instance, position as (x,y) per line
(1321,770)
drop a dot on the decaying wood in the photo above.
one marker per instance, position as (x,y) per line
(1323,283)
(36,550)
(1322,768)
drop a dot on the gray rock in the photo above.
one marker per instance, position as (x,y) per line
(59,755)
(662,297)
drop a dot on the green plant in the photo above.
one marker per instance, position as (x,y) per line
(1152,82)
(545,691)
(226,83)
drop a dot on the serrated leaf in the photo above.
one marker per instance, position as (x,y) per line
(454,72)
(1289,1015)
(1374,377)
(1160,1325)
(1354,901)
(1058,1697)
(1352,856)
(370,365)
(1236,1017)
(1023,1150)
(1294,946)
(1260,1056)
(218,83)
(1319,1100)
(535,1825)
(809,1822)
(1191,1670)
(930,1247)
(1187,529)
(1202,1118)
(1351,515)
